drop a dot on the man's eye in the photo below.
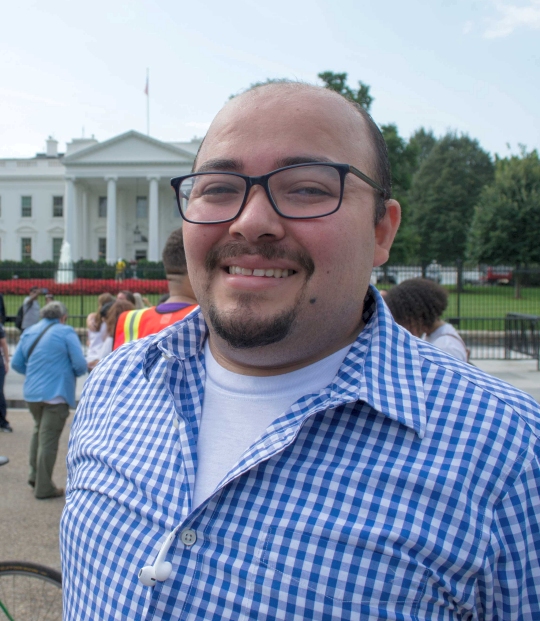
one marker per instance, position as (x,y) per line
(214,190)
(310,191)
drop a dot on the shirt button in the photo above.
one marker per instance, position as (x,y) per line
(188,536)
(175,423)
(166,356)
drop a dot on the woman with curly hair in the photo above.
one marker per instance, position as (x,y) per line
(418,304)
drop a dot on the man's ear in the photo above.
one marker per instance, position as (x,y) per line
(385,231)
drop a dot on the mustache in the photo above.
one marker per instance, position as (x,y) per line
(267,251)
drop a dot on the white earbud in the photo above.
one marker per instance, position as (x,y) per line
(161,569)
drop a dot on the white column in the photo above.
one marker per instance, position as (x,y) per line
(84,226)
(111,220)
(153,220)
(70,215)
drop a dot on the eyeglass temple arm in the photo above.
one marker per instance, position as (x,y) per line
(369,181)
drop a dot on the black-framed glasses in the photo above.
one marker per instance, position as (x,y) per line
(301,191)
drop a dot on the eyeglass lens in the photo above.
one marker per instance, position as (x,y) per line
(302,192)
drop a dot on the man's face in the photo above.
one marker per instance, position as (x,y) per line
(328,260)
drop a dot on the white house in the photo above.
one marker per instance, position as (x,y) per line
(108,199)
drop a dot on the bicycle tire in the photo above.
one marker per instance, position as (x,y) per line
(29,591)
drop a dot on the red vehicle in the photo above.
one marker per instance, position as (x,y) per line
(497,275)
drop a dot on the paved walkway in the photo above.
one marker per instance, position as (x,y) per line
(29,527)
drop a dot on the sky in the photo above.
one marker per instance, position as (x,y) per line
(71,69)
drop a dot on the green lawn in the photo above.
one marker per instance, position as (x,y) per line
(485,302)
(493,301)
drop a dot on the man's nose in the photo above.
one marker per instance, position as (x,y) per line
(258,219)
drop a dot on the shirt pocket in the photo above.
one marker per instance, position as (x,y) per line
(338,568)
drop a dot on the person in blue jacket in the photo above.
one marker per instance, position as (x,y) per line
(49,354)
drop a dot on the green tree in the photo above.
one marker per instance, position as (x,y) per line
(443,194)
(403,157)
(422,141)
(506,219)
(338,82)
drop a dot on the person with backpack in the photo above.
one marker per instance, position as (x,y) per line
(28,313)
(50,355)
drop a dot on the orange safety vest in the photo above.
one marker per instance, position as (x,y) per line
(135,324)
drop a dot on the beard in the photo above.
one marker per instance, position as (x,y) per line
(244,328)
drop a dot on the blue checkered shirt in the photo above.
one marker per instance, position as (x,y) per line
(406,489)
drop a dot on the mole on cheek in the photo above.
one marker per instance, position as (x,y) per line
(313,300)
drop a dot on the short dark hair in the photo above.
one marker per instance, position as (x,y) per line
(381,168)
(417,303)
(382,173)
(174,255)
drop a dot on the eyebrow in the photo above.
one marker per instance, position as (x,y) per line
(234,165)
(301,159)
(226,165)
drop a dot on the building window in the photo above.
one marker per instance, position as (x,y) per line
(102,248)
(58,206)
(56,248)
(142,207)
(140,255)
(26,248)
(102,207)
(26,206)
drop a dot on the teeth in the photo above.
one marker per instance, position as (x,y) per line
(270,273)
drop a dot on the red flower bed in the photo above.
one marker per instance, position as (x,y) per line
(83,286)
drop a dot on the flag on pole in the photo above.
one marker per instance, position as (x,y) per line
(146,92)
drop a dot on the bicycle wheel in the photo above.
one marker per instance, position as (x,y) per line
(29,592)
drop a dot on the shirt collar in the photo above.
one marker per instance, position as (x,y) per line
(382,367)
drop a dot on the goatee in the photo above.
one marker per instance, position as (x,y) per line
(243,330)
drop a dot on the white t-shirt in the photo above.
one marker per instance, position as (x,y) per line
(95,343)
(237,409)
(106,347)
(447,338)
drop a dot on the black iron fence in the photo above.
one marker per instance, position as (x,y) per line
(480,297)
(522,335)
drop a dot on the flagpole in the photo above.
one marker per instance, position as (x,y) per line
(147,91)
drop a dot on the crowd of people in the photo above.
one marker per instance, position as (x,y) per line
(50,355)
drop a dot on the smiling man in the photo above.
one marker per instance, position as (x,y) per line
(288,451)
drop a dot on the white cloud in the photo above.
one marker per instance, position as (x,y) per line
(510,17)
